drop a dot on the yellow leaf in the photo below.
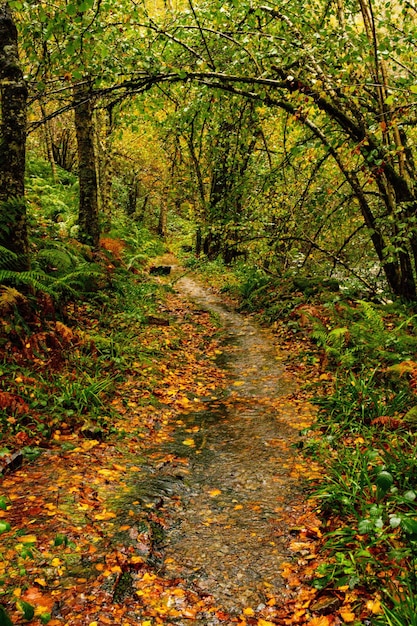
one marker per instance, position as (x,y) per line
(248,611)
(374,606)
(264,622)
(89,443)
(105,515)
(136,559)
(239,383)
(17,592)
(28,539)
(214,492)
(189,442)
(347,616)
(41,581)
(56,562)
(108,473)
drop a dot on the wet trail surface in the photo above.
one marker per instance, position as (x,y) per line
(194,512)
(231,525)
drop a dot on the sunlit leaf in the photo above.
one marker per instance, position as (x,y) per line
(28,539)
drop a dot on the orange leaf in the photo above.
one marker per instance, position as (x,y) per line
(323,620)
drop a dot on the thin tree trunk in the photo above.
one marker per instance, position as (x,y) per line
(48,141)
(104,158)
(163,214)
(13,97)
(88,220)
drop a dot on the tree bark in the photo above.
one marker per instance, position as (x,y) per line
(88,218)
(13,97)
(163,216)
(48,141)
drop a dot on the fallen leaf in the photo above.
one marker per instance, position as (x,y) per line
(374,606)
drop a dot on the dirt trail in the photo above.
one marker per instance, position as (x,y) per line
(231,527)
(186,515)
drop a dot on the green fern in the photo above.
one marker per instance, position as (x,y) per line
(320,334)
(56,260)
(82,280)
(373,317)
(10,260)
(34,279)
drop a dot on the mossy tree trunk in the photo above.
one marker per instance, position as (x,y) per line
(88,218)
(13,97)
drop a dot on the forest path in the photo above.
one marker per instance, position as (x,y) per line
(193,512)
(231,531)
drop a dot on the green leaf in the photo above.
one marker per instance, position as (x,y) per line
(365,526)
(384,482)
(4,618)
(61,540)
(394,521)
(4,527)
(410,495)
(409,525)
(45,618)
(413,88)
(3,503)
(27,609)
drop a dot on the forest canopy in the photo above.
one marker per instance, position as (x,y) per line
(279,132)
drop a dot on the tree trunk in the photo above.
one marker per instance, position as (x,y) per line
(104,157)
(13,97)
(48,141)
(89,230)
(163,214)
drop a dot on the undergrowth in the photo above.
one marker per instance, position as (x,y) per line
(70,326)
(365,435)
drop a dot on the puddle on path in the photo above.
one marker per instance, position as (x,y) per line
(231,524)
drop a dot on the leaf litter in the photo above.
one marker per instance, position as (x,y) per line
(194,511)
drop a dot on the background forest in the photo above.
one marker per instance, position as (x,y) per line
(273,148)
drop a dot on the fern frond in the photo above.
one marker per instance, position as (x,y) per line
(10,260)
(54,259)
(34,279)
(82,280)
(337,336)
(372,316)
(320,336)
